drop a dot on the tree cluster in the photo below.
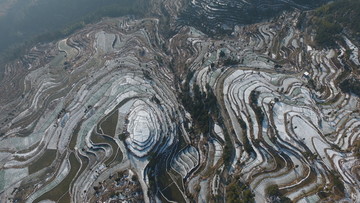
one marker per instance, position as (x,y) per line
(332,18)
(202,106)
(351,85)
(274,194)
(239,192)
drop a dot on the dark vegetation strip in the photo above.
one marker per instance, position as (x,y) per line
(44,161)
(84,163)
(169,188)
(74,136)
(108,126)
(103,139)
(56,193)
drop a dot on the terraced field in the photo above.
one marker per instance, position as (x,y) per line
(120,112)
(214,16)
